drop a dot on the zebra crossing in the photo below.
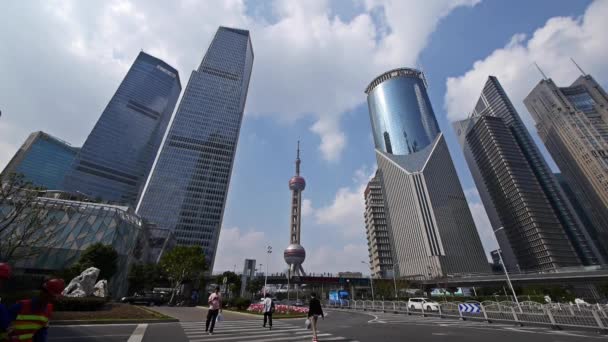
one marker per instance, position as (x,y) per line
(252,331)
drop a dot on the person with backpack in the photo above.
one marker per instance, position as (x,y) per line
(268,310)
(314,311)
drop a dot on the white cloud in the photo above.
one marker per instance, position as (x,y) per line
(308,62)
(307,208)
(551,46)
(331,259)
(347,208)
(235,246)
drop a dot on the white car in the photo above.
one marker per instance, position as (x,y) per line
(420,303)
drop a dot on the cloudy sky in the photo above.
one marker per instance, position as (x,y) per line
(61,61)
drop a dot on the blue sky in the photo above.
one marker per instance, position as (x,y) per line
(313,61)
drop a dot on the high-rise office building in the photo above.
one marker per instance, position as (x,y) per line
(187,188)
(430,225)
(116,158)
(495,102)
(378,240)
(512,193)
(573,123)
(43,160)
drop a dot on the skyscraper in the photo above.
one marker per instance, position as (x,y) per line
(187,188)
(43,160)
(430,226)
(494,102)
(378,240)
(573,124)
(117,156)
(512,193)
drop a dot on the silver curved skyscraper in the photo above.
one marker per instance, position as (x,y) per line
(431,229)
(402,117)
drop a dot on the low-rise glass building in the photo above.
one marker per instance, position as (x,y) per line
(69,227)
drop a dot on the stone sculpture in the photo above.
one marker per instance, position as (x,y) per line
(83,285)
(101,289)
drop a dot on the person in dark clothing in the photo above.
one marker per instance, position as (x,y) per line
(314,311)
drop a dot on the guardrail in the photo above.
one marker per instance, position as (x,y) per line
(556,316)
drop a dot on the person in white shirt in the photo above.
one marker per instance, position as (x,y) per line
(268,310)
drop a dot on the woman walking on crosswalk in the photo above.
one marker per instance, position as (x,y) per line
(314,311)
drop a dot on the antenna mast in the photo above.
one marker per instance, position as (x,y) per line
(579,68)
(541,71)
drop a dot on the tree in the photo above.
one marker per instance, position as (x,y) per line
(26,228)
(183,262)
(255,285)
(101,256)
(233,281)
(145,277)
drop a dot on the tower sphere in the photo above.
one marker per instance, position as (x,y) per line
(294,254)
(297,183)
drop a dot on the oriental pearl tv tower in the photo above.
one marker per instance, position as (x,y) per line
(294,253)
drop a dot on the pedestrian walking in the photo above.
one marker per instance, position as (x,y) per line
(314,311)
(30,318)
(215,307)
(5,274)
(268,310)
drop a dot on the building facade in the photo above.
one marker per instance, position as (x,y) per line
(43,160)
(116,158)
(533,231)
(376,227)
(495,102)
(72,226)
(187,188)
(573,124)
(430,225)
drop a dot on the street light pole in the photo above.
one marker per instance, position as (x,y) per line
(371,280)
(395,282)
(504,268)
(508,279)
(268,251)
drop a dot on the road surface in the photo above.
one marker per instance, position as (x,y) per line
(337,326)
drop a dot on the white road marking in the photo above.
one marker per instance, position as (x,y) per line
(138,333)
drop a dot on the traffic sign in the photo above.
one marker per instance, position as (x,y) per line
(469,307)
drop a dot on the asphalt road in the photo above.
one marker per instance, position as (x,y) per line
(337,326)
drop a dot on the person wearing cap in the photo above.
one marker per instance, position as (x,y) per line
(30,318)
(5,274)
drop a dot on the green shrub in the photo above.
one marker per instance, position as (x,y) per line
(238,303)
(80,304)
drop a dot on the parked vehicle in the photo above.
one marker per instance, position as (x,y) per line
(299,303)
(420,303)
(148,298)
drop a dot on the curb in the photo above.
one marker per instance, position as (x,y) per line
(113,321)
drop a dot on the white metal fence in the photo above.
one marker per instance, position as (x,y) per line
(554,315)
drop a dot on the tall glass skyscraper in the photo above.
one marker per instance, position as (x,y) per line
(43,160)
(430,225)
(116,158)
(573,123)
(186,191)
(531,216)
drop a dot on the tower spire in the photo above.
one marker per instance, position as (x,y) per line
(298,160)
